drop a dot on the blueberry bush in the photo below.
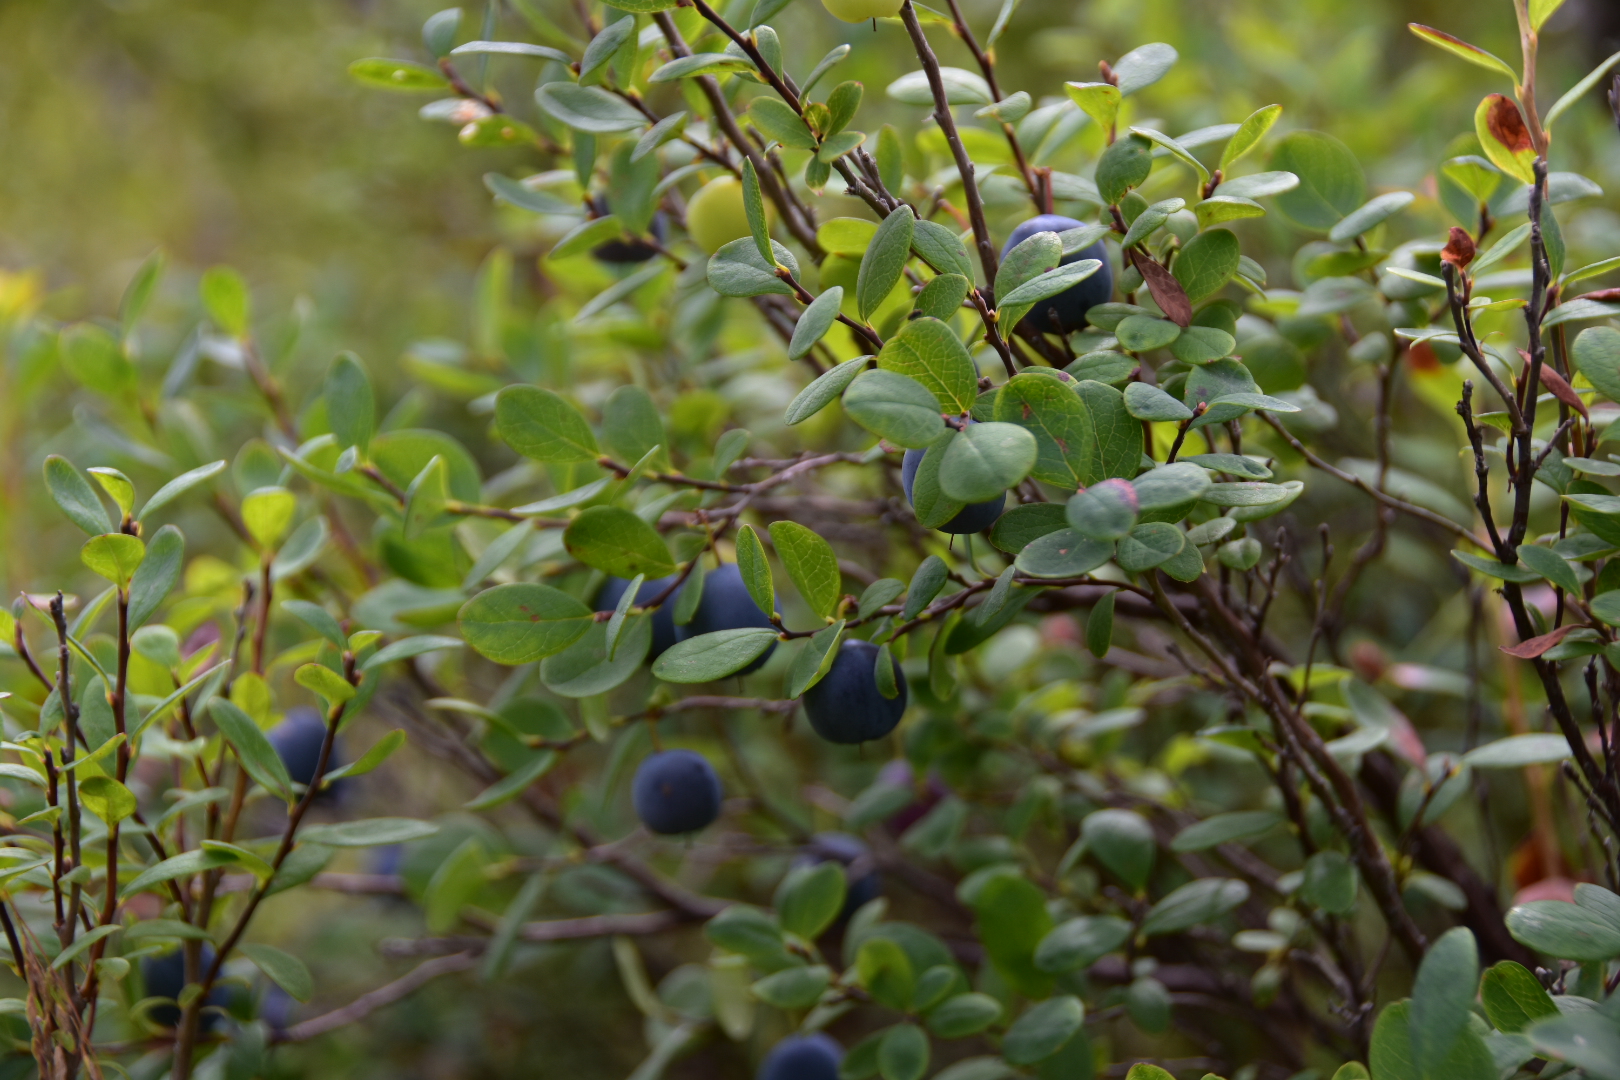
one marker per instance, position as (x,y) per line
(898,581)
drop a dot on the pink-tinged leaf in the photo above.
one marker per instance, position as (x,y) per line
(1534,647)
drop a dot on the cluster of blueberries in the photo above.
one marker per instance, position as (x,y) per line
(677,791)
(297,741)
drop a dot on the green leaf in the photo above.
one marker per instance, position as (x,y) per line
(708,657)
(1202,345)
(813,324)
(985,460)
(406,648)
(926,582)
(380,752)
(1330,882)
(1224,829)
(1035,256)
(942,297)
(1063,554)
(1596,352)
(225,295)
(318,619)
(1567,931)
(1098,100)
(793,988)
(755,569)
(1441,996)
(1248,135)
(810,898)
(1513,997)
(117,486)
(1541,11)
(754,209)
(156,576)
(894,407)
(826,387)
(1117,447)
(522,622)
(602,47)
(453,885)
(1208,262)
(1371,215)
(617,542)
(1054,281)
(886,971)
(928,351)
(1081,942)
(1123,166)
(177,487)
(1472,53)
(114,556)
(963,1015)
(283,969)
(322,680)
(1519,750)
(350,405)
(884,261)
(1143,66)
(903,1053)
(1586,1040)
(1580,89)
(539,424)
(252,748)
(107,798)
(1100,625)
(961,88)
(1201,901)
(368,832)
(1222,208)
(1148,402)
(1551,566)
(75,497)
(1121,841)
(1492,568)
(939,246)
(1106,511)
(268,514)
(810,563)
(1012,921)
(385,74)
(1144,333)
(738,270)
(1331,184)
(81,944)
(587,108)
(1051,411)
(815,659)
(776,120)
(1043,1030)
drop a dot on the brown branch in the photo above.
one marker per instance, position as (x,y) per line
(366,1004)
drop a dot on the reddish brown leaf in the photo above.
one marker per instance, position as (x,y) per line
(1506,125)
(1562,390)
(1605,295)
(1167,291)
(1459,250)
(1529,650)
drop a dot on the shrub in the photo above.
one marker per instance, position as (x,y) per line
(1098,605)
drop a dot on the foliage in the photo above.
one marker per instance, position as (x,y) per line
(763,436)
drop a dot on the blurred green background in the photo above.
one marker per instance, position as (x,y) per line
(230,133)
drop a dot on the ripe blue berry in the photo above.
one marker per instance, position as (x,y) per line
(676,791)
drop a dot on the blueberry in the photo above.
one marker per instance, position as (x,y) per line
(629,249)
(846,706)
(727,605)
(676,791)
(298,739)
(803,1057)
(165,976)
(865,884)
(1066,312)
(663,634)
(975,517)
